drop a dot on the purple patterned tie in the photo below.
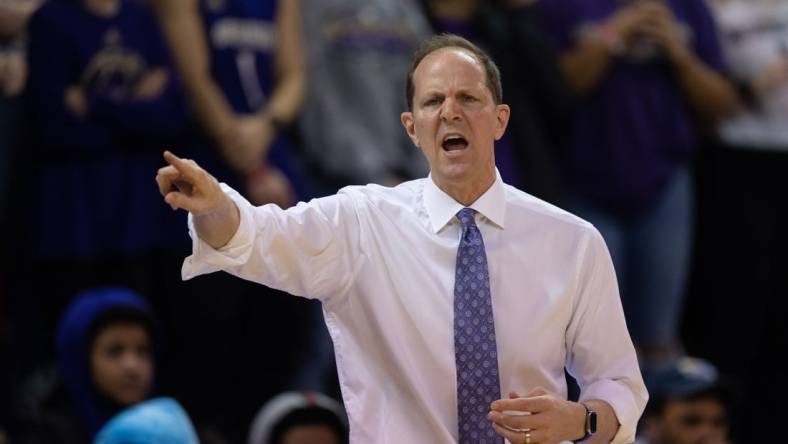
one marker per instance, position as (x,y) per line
(475,352)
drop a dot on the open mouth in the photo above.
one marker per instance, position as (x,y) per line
(454,143)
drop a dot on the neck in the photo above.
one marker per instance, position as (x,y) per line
(464,192)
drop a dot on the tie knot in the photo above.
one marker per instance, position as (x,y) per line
(466,217)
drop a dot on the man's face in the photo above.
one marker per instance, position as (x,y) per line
(701,421)
(121,362)
(454,120)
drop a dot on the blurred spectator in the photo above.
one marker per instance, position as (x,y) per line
(647,74)
(105,346)
(754,36)
(689,404)
(242,65)
(300,418)
(157,421)
(744,212)
(509,31)
(358,54)
(14,16)
(100,102)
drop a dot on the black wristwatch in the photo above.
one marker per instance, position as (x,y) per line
(590,423)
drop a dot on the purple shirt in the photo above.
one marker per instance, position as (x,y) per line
(631,133)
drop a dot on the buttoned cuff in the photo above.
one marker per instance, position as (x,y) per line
(206,259)
(624,403)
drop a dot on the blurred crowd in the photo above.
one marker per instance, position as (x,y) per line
(662,122)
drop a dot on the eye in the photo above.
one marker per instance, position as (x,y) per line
(115,350)
(432,101)
(468,98)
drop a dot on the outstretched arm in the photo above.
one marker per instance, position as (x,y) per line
(312,249)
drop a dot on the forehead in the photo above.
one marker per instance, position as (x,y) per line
(705,405)
(448,67)
(122,329)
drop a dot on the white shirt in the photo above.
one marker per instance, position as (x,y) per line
(382,261)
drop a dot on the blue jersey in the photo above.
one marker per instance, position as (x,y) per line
(242,39)
(92,191)
(241,35)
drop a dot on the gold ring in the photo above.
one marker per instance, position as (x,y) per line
(528,437)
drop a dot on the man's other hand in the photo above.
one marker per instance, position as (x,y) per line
(537,418)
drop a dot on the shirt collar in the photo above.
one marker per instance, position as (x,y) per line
(441,207)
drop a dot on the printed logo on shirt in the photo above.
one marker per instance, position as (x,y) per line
(233,33)
(115,69)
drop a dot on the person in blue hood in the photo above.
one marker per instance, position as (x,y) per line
(105,361)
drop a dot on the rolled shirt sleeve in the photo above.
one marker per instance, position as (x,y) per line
(601,355)
(205,259)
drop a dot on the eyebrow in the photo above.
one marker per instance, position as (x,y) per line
(463,91)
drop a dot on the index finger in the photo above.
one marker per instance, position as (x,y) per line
(182,165)
(534,404)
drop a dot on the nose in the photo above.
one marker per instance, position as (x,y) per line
(132,363)
(711,433)
(450,110)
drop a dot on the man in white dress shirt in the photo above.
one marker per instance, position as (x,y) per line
(384,261)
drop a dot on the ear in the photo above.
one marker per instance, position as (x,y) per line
(410,126)
(502,113)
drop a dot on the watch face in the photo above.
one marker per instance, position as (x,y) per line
(591,424)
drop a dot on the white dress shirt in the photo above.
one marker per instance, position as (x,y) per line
(382,261)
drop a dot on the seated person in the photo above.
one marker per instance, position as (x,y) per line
(690,404)
(300,418)
(159,420)
(105,360)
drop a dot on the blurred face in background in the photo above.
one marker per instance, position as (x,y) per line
(310,434)
(121,362)
(701,421)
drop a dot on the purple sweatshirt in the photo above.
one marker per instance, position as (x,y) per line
(629,135)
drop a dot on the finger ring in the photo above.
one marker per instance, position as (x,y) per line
(527,437)
(516,430)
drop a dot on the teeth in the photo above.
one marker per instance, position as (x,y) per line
(453,138)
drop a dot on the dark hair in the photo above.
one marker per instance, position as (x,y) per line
(454,41)
(309,416)
(118,315)
(657,402)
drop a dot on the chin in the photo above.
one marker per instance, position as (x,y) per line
(455,171)
(130,398)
